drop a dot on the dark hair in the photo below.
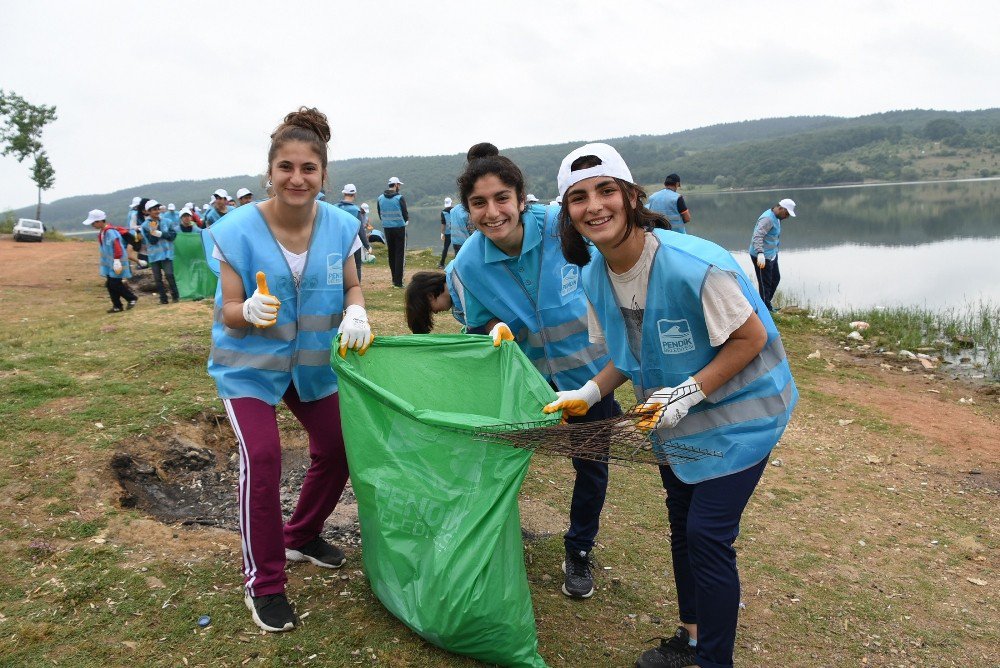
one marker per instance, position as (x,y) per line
(423,287)
(484,159)
(308,125)
(141,210)
(575,248)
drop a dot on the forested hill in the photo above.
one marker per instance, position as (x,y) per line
(775,152)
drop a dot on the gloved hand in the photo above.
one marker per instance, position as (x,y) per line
(355,332)
(442,236)
(761,260)
(116,265)
(154,229)
(262,308)
(501,332)
(666,407)
(575,402)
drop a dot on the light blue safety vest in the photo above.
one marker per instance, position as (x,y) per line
(447,221)
(133,219)
(455,292)
(107,243)
(665,202)
(390,212)
(260,363)
(162,247)
(459,219)
(551,329)
(171,216)
(771,239)
(213,216)
(349,207)
(745,417)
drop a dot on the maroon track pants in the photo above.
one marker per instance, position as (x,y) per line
(263,538)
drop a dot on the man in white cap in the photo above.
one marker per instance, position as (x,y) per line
(764,248)
(445,230)
(114,263)
(392,212)
(220,207)
(195,218)
(243,196)
(348,195)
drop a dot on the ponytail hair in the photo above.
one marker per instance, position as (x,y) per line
(575,248)
(423,287)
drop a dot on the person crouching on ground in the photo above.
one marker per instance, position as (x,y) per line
(683,323)
(288,285)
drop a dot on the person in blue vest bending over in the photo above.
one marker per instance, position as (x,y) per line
(764,248)
(287,289)
(392,212)
(346,203)
(683,323)
(159,235)
(670,204)
(445,231)
(513,281)
(220,207)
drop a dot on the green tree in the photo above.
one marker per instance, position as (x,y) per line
(21,136)
(44,177)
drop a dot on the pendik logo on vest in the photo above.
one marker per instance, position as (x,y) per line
(570,279)
(334,269)
(675,336)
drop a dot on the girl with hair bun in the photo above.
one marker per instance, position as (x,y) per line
(288,288)
(511,279)
(684,324)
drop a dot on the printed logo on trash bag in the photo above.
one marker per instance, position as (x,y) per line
(570,279)
(334,269)
(675,336)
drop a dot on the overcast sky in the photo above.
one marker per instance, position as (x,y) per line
(162,91)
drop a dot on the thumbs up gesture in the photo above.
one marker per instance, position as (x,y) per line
(261,309)
(154,229)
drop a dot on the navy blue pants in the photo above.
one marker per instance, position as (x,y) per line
(767,279)
(704,523)
(591,486)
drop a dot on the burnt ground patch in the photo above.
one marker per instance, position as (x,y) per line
(188,474)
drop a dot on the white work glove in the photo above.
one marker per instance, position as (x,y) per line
(442,236)
(154,229)
(501,332)
(117,266)
(355,332)
(761,260)
(262,307)
(575,402)
(667,406)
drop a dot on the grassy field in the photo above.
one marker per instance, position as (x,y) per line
(872,539)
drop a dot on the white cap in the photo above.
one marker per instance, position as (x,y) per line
(220,194)
(611,165)
(447,201)
(242,192)
(531,198)
(364,205)
(135,203)
(788,204)
(152,204)
(394,180)
(171,207)
(185,212)
(189,205)
(349,189)
(94,216)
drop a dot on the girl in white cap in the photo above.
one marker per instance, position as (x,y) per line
(684,324)
(287,288)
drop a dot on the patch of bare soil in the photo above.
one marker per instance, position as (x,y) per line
(189,475)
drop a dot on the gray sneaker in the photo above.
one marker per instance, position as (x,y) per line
(579,581)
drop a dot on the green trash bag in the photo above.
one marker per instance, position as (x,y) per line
(440,526)
(194,278)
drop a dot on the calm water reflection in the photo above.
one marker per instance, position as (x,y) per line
(935,245)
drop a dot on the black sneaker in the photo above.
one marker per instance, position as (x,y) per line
(319,552)
(175,299)
(579,581)
(673,652)
(131,304)
(271,612)
(116,309)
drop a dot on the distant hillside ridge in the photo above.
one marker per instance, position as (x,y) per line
(798,151)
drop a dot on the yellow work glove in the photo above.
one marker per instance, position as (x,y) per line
(501,332)
(575,402)
(261,309)
(666,407)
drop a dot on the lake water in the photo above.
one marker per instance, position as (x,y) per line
(931,245)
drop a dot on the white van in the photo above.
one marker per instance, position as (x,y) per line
(28,230)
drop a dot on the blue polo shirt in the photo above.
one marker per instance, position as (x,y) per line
(524,267)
